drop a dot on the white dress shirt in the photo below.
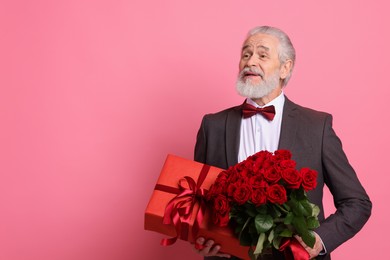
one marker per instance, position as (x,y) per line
(257,133)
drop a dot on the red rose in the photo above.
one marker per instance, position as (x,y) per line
(276,194)
(285,164)
(248,163)
(271,175)
(292,177)
(230,189)
(221,209)
(261,157)
(282,165)
(242,193)
(246,172)
(309,178)
(221,204)
(222,176)
(283,154)
(269,163)
(216,188)
(259,197)
(257,182)
(251,158)
(238,167)
(233,175)
(221,220)
(257,167)
(257,160)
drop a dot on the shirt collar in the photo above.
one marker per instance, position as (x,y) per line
(277,102)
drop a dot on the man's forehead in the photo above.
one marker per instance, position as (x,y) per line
(260,40)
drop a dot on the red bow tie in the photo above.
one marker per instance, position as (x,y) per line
(249,110)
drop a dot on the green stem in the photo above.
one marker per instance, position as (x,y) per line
(243,227)
(281,208)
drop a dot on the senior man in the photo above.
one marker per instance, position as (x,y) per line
(228,137)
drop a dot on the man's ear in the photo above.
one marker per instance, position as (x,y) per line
(285,69)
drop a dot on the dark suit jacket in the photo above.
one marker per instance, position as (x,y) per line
(309,135)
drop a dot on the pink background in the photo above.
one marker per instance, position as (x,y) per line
(94,94)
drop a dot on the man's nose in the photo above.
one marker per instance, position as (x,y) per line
(252,61)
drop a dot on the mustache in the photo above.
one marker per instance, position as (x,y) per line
(251,70)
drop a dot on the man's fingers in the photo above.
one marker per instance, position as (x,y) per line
(214,250)
(199,243)
(223,255)
(302,243)
(200,240)
(313,252)
(208,248)
(299,240)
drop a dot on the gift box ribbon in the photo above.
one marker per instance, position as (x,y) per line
(179,209)
(293,250)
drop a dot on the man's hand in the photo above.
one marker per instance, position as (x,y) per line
(313,252)
(208,248)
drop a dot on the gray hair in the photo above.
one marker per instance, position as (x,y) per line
(286,49)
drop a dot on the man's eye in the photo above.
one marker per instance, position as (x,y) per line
(246,55)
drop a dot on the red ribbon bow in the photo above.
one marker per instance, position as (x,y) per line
(179,209)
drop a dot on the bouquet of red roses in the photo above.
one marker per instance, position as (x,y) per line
(265,199)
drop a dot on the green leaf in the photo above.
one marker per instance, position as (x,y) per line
(301,208)
(312,222)
(300,225)
(279,228)
(315,210)
(309,238)
(250,210)
(271,236)
(275,211)
(276,242)
(300,194)
(263,223)
(286,233)
(262,209)
(260,243)
(288,219)
(239,218)
(308,209)
(293,203)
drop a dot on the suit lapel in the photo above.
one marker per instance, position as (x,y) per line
(289,125)
(233,125)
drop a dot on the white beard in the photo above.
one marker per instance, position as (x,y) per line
(246,89)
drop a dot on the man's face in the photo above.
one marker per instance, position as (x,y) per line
(260,51)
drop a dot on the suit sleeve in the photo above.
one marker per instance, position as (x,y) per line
(200,156)
(353,206)
(201,143)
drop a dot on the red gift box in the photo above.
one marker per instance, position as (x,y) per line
(177,193)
